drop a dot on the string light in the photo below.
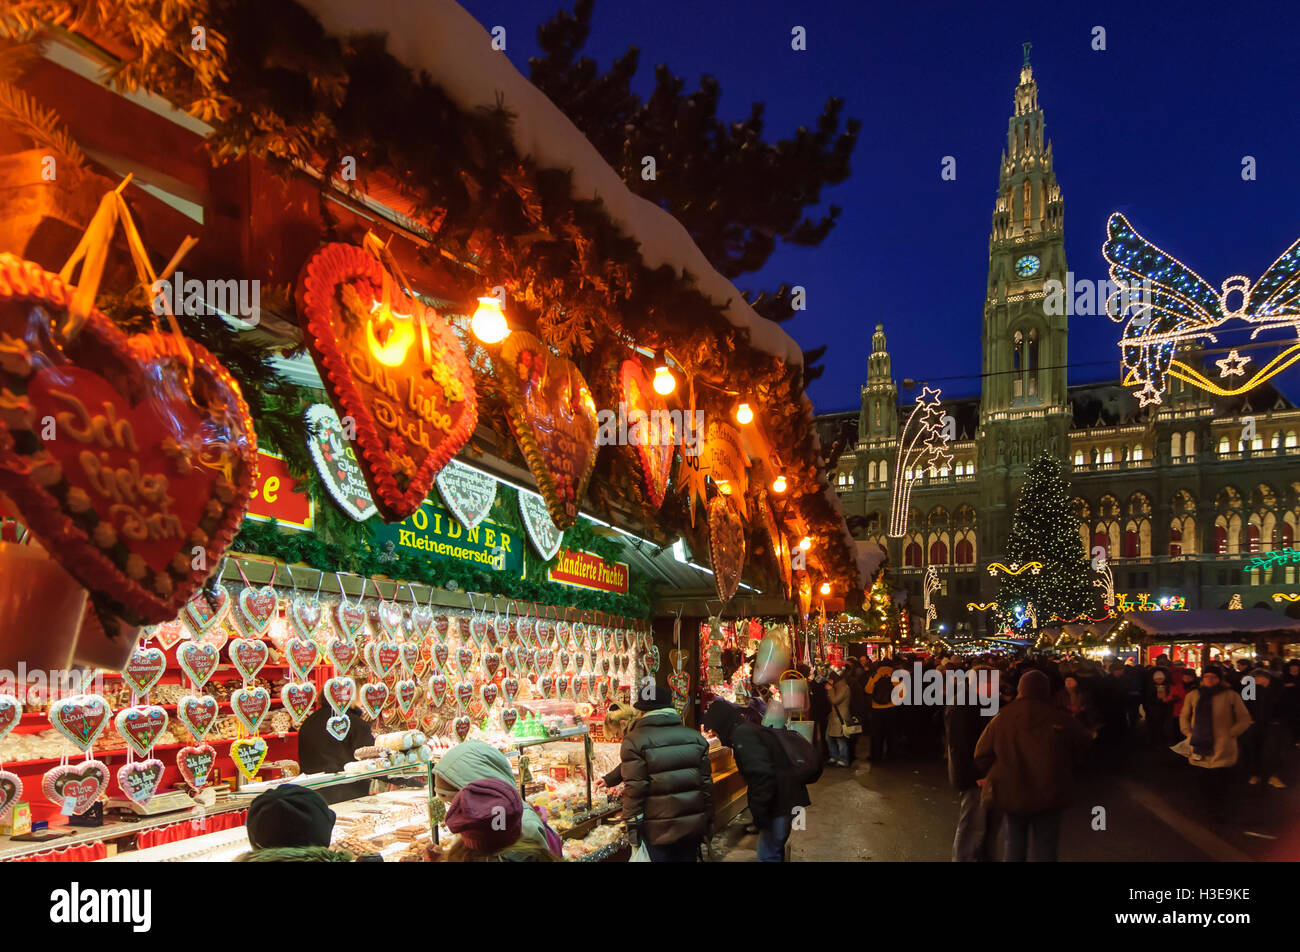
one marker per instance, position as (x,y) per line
(779,485)
(488,323)
(921,444)
(826,588)
(1287,597)
(744,414)
(1017,569)
(664,382)
(805,543)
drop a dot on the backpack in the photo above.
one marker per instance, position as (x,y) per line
(802,759)
(883,692)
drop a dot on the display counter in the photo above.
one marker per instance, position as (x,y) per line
(729,789)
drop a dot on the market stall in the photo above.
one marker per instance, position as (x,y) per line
(1200,636)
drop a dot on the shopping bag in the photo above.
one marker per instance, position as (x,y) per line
(640,855)
(1183,748)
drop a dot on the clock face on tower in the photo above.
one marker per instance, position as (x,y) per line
(1027,266)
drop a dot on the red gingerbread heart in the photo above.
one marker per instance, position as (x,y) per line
(351,619)
(152,456)
(198,714)
(553,416)
(650,429)
(205,609)
(75,786)
(195,764)
(726,546)
(143,670)
(257,608)
(297,698)
(140,726)
(394,366)
(302,656)
(405,692)
(248,655)
(374,697)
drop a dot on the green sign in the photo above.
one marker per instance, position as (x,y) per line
(434,533)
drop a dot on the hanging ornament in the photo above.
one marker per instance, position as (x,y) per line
(11,791)
(648,416)
(206,610)
(545,536)
(298,698)
(553,417)
(438,689)
(305,615)
(248,655)
(139,780)
(726,546)
(167,635)
(343,654)
(248,755)
(373,698)
(468,493)
(198,714)
(337,463)
(140,726)
(195,764)
(250,705)
(80,718)
(143,670)
(464,695)
(339,692)
(257,608)
(75,788)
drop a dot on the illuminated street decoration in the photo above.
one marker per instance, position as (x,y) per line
(1106,583)
(929,586)
(982,606)
(1016,569)
(1290,557)
(1287,597)
(1235,602)
(922,444)
(1181,311)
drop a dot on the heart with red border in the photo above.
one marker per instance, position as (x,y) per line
(619,641)
(394,366)
(563,683)
(298,698)
(339,692)
(11,712)
(547,685)
(491,661)
(509,631)
(198,714)
(198,660)
(249,753)
(509,715)
(405,691)
(76,785)
(493,635)
(510,689)
(338,726)
(564,634)
(546,634)
(11,789)
(373,698)
(140,726)
(351,619)
(510,658)
(545,658)
(410,656)
(565,658)
(527,629)
(478,631)
(647,417)
(553,417)
(257,608)
(155,453)
(305,615)
(579,660)
(421,622)
(343,654)
(726,546)
(461,726)
(464,694)
(445,625)
(249,705)
(680,682)
(167,635)
(438,689)
(440,656)
(381,656)
(195,764)
(248,655)
(143,670)
(525,657)
(206,609)
(488,693)
(602,688)
(302,655)
(604,666)
(464,660)
(580,685)
(388,616)
(139,781)
(80,718)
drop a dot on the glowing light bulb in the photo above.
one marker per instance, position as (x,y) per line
(488,323)
(664,382)
(805,543)
(826,588)
(744,414)
(778,484)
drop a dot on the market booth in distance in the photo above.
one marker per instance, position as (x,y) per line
(391,482)
(1199,636)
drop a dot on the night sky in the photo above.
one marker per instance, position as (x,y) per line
(1155,126)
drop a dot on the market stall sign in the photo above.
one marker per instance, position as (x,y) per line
(433,533)
(275,494)
(337,464)
(393,365)
(587,570)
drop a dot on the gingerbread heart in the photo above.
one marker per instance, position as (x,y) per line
(371,343)
(421,618)
(602,688)
(301,655)
(298,698)
(389,615)
(440,655)
(140,726)
(579,686)
(11,790)
(654,447)
(619,642)
(167,635)
(11,712)
(257,608)
(139,781)
(545,658)
(444,625)
(249,705)
(206,609)
(468,493)
(198,660)
(381,657)
(343,654)
(438,689)
(547,684)
(461,726)
(464,660)
(373,698)
(510,688)
(510,658)
(565,658)
(339,692)
(564,634)
(153,455)
(80,718)
(464,694)
(248,753)
(143,670)
(405,692)
(604,666)
(509,716)
(248,655)
(563,683)
(491,661)
(488,693)
(351,619)
(410,656)
(579,659)
(75,787)
(527,628)
(478,631)
(198,714)
(338,726)
(726,546)
(195,764)
(305,615)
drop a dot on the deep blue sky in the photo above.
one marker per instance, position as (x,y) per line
(1155,126)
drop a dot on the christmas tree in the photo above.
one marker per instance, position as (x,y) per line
(1046,530)
(881,610)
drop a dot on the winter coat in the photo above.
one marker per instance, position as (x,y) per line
(772,788)
(475,760)
(320,752)
(1028,754)
(303,854)
(841,696)
(1230,720)
(667,779)
(884,673)
(1086,714)
(962,726)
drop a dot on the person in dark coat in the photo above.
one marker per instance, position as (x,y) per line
(962,726)
(667,781)
(819,710)
(774,792)
(1264,743)
(1029,753)
(320,752)
(1159,706)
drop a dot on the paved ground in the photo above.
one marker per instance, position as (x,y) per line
(904,810)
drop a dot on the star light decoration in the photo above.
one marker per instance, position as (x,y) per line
(921,445)
(1179,311)
(929,586)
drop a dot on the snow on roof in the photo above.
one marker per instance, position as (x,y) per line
(1219,623)
(440,38)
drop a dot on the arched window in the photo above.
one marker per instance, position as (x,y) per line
(1175,539)
(1099,539)
(1220,538)
(1131,549)
(1225,447)
(1176,446)
(1252,537)
(1286,537)
(1032,385)
(1290,441)
(884,471)
(912,555)
(1078,457)
(1189,445)
(1107,455)
(965,552)
(938,552)
(1137,453)
(871,472)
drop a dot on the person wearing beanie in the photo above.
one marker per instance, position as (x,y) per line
(667,780)
(1028,755)
(487,818)
(1158,706)
(1264,743)
(291,823)
(1213,717)
(473,760)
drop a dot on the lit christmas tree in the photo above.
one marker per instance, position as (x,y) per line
(1046,530)
(881,611)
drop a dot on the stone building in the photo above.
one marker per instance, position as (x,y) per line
(1180,495)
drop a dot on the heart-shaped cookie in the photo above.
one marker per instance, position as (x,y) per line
(461,726)
(248,753)
(257,607)
(373,698)
(405,692)
(152,456)
(438,689)
(510,657)
(726,546)
(198,660)
(547,684)
(75,787)
(409,655)
(343,654)
(553,416)
(80,718)
(478,631)
(140,726)
(563,683)
(166,636)
(382,656)
(143,670)
(389,617)
(305,615)
(527,628)
(509,716)
(301,654)
(421,617)
(11,712)
(468,493)
(446,625)
(464,694)
(339,692)
(545,658)
(488,693)
(602,688)
(195,764)
(394,366)
(248,655)
(510,688)
(298,698)
(249,705)
(351,619)
(653,444)
(338,726)
(565,658)
(579,660)
(464,661)
(11,789)
(491,661)
(139,781)
(440,654)
(206,609)
(198,714)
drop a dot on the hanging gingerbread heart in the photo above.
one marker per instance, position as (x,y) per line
(726,546)
(382,656)
(249,705)
(198,660)
(373,698)
(468,493)
(11,712)
(195,764)
(405,691)
(510,689)
(410,657)
(139,781)
(565,658)
(579,686)
(464,694)
(305,615)
(478,631)
(650,429)
(602,688)
(75,787)
(339,692)
(441,654)
(343,654)
(444,625)
(248,655)
(564,634)
(80,718)
(465,661)
(257,607)
(301,654)
(491,661)
(389,616)
(553,416)
(140,726)
(298,698)
(545,659)
(206,609)
(165,636)
(492,635)
(421,622)
(510,658)
(351,619)
(547,684)
(338,726)
(248,755)
(488,693)
(143,670)
(461,726)
(152,456)
(509,716)
(11,791)
(394,366)
(563,683)
(619,643)
(579,660)
(527,628)
(198,714)
(438,689)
